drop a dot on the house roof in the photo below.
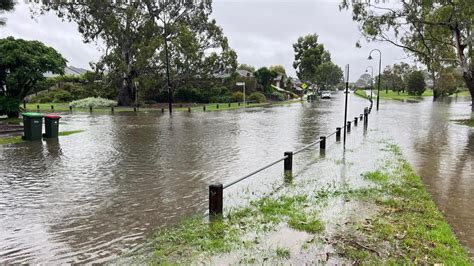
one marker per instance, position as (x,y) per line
(68,70)
(244,73)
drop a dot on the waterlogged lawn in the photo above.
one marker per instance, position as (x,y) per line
(18,139)
(402,96)
(64,107)
(466,122)
(403,226)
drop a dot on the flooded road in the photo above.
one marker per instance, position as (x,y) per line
(91,196)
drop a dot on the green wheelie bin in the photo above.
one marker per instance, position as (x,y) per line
(32,126)
(51,123)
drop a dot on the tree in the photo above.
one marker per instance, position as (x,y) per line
(5,6)
(265,77)
(249,68)
(22,65)
(416,83)
(448,81)
(364,81)
(309,55)
(392,79)
(328,75)
(278,69)
(437,33)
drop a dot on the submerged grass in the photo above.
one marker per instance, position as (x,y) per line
(406,228)
(18,139)
(465,122)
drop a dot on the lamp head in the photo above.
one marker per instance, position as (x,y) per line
(370,57)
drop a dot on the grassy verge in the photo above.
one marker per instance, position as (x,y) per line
(362,94)
(393,95)
(462,94)
(64,107)
(10,120)
(405,227)
(465,122)
(18,139)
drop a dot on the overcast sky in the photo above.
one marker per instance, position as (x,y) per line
(260,31)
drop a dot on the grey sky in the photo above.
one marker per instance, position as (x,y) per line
(261,31)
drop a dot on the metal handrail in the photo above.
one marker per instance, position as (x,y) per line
(306,147)
(254,172)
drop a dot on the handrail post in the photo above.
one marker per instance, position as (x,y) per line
(217,106)
(112,109)
(322,143)
(216,201)
(90,109)
(37,107)
(52,107)
(348,126)
(355,121)
(203,108)
(70,108)
(189,109)
(288,163)
(162,110)
(338,134)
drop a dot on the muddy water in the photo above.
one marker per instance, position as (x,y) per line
(92,196)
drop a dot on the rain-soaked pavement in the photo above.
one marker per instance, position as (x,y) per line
(92,196)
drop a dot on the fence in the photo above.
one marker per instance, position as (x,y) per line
(216,190)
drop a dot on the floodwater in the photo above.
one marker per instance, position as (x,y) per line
(95,195)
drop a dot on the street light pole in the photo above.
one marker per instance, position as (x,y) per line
(168,82)
(242,84)
(371,79)
(380,66)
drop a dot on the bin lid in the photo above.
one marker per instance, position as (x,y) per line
(31,114)
(52,116)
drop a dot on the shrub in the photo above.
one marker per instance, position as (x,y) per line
(9,106)
(188,95)
(237,97)
(416,83)
(257,97)
(93,102)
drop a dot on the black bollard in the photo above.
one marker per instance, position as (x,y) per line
(24,104)
(38,107)
(189,109)
(348,126)
(288,164)
(203,108)
(322,143)
(229,105)
(238,103)
(90,109)
(216,201)
(112,109)
(355,121)
(52,107)
(134,109)
(162,110)
(217,106)
(338,134)
(361,118)
(70,108)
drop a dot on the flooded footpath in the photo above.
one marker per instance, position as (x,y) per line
(96,195)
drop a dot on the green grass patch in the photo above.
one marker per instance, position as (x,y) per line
(306,223)
(11,120)
(18,139)
(462,94)
(465,122)
(376,176)
(362,94)
(283,253)
(393,95)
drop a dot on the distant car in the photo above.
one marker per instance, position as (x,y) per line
(325,95)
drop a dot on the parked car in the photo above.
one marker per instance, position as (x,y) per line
(325,95)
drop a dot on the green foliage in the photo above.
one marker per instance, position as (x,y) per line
(249,68)
(5,6)
(278,69)
(283,253)
(309,55)
(257,97)
(328,75)
(93,102)
(237,96)
(265,77)
(9,106)
(23,63)
(448,81)
(416,83)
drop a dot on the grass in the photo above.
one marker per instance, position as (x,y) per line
(362,94)
(462,94)
(283,253)
(64,107)
(7,120)
(18,139)
(465,122)
(393,95)
(407,227)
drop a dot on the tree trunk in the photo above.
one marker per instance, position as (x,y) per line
(469,80)
(126,90)
(436,93)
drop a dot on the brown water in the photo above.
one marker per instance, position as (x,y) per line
(92,196)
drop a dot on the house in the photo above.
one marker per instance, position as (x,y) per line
(280,80)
